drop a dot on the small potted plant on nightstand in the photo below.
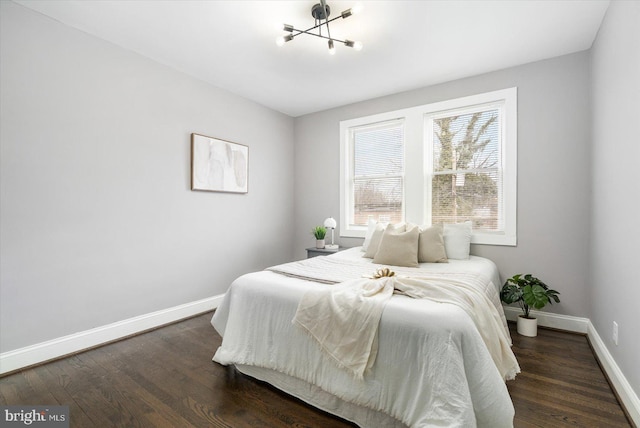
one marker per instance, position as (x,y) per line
(319,232)
(528,291)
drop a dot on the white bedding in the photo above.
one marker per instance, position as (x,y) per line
(432,367)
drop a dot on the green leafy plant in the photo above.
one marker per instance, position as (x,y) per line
(319,232)
(529,292)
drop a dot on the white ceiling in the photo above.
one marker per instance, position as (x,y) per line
(407,44)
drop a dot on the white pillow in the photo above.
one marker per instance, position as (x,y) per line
(457,240)
(371,227)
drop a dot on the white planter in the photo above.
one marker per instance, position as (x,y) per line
(319,243)
(527,326)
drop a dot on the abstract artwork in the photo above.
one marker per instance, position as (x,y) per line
(218,165)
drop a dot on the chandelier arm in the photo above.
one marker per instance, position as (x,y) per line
(326,17)
(314,27)
(316,35)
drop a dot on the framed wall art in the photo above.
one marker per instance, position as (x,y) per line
(218,165)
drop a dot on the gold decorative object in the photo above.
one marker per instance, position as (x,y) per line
(383,272)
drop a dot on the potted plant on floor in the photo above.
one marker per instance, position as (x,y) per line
(319,232)
(529,292)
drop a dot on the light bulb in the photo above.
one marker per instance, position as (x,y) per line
(283,39)
(355,45)
(357,8)
(332,49)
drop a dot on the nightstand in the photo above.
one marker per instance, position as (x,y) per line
(315,252)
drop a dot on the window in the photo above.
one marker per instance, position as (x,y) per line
(446,162)
(465,173)
(376,185)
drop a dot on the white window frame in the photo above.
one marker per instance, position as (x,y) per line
(378,125)
(418,159)
(347,167)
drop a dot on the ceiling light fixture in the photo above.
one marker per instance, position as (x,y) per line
(320,13)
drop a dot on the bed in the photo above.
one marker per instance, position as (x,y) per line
(432,367)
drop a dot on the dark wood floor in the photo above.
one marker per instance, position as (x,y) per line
(561,383)
(166,378)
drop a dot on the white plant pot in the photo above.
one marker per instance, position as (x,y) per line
(527,326)
(319,243)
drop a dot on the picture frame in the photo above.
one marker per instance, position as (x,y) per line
(218,165)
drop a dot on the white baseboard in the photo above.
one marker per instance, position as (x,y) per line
(547,319)
(56,348)
(583,325)
(626,394)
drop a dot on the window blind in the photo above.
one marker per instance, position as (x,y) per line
(378,172)
(467,175)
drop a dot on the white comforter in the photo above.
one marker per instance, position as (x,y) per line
(432,367)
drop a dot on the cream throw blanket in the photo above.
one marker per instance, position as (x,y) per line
(343,318)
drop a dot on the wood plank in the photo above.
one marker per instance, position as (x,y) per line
(561,383)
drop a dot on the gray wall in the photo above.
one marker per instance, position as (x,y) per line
(553,170)
(615,289)
(97,222)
